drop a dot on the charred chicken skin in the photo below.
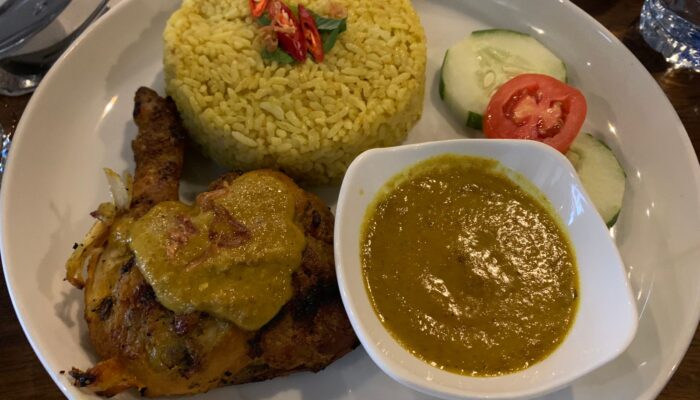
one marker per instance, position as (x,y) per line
(145,345)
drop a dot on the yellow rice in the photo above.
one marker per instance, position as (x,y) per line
(309,120)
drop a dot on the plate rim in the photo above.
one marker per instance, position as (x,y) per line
(8,177)
(658,386)
(651,392)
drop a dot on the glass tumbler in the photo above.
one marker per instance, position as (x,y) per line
(672,27)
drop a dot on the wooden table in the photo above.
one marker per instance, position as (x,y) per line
(23,377)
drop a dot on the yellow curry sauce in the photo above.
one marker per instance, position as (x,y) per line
(468,270)
(231,255)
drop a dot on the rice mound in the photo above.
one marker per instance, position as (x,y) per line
(309,120)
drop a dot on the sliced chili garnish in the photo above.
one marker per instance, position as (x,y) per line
(258,7)
(310,31)
(289,34)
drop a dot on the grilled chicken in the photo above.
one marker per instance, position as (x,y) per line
(159,352)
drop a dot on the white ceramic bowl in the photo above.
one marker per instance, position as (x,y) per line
(607,317)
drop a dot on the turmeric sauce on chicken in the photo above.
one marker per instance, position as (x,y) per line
(467,269)
(231,255)
(143,345)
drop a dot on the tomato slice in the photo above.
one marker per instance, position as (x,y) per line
(289,34)
(536,107)
(310,30)
(257,7)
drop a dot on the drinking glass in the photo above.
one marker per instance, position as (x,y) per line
(34,33)
(672,27)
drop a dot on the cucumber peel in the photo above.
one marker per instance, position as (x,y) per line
(475,121)
(442,80)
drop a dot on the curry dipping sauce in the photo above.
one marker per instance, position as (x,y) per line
(468,266)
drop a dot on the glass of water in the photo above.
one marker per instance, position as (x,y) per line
(672,27)
(34,33)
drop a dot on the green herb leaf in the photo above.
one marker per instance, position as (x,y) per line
(329,29)
(328,24)
(278,55)
(295,9)
(329,38)
(264,19)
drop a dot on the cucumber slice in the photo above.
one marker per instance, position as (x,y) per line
(476,67)
(601,174)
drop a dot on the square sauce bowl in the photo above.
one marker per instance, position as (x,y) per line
(605,321)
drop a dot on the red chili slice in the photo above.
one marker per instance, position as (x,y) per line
(258,7)
(310,30)
(289,33)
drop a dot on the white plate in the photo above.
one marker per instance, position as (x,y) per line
(79,121)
